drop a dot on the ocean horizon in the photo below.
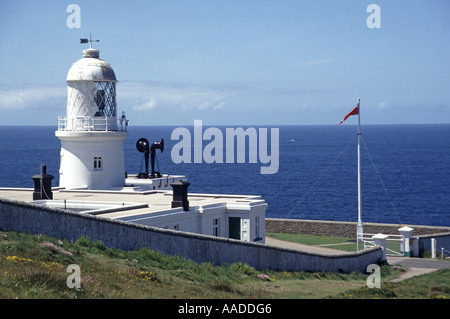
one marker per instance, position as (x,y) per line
(404,169)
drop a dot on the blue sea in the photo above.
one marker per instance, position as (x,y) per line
(404,170)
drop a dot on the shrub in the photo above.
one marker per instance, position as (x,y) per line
(100,245)
(243,268)
(84,241)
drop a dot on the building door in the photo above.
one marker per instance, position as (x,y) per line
(245,228)
(234,225)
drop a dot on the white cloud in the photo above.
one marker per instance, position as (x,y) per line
(382,105)
(139,96)
(28,96)
(150,95)
(145,106)
(219,106)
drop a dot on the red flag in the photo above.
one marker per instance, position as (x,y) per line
(355,111)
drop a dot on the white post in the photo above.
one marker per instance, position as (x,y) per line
(380,240)
(406,232)
(433,248)
(360,230)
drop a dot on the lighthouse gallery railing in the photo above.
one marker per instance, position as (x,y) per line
(89,123)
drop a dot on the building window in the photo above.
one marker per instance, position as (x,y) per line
(98,164)
(216,227)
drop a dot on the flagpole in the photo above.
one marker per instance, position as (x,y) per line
(360,228)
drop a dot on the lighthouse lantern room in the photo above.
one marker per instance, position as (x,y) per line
(92,155)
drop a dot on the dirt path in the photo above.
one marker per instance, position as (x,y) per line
(416,266)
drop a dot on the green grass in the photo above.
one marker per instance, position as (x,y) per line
(308,239)
(340,243)
(35,267)
(434,285)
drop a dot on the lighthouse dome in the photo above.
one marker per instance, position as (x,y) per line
(91,68)
(91,94)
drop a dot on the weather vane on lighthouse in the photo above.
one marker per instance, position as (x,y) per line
(89,40)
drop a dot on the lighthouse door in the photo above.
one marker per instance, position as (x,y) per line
(234,226)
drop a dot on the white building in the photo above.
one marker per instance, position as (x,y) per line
(92,163)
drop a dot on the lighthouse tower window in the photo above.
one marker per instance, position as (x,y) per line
(100,101)
(98,165)
(105,98)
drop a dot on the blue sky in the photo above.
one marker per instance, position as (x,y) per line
(229,62)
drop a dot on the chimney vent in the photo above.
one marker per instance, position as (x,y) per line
(180,197)
(42,185)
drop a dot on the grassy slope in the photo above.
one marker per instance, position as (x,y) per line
(35,266)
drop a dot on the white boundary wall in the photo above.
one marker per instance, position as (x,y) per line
(34,219)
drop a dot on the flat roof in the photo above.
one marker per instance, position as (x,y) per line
(154,200)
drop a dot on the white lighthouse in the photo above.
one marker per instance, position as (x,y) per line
(92,155)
